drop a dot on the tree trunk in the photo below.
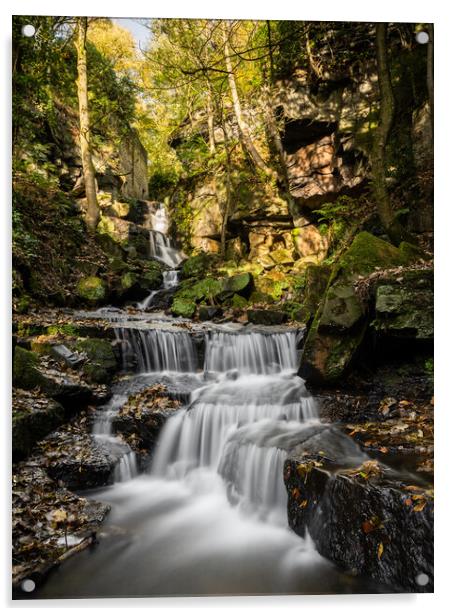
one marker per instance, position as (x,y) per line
(89,174)
(378,158)
(245,136)
(210,122)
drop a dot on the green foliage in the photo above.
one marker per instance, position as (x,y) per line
(429,366)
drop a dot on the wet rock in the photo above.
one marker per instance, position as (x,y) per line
(266,317)
(61,353)
(33,417)
(163,299)
(207,313)
(364,516)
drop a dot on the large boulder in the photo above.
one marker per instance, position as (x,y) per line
(341,320)
(366,517)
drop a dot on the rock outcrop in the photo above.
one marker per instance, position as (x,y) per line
(361,514)
(342,318)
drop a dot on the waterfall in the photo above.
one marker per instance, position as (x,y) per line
(252,353)
(170,280)
(158,350)
(262,392)
(160,246)
(126,467)
(210,517)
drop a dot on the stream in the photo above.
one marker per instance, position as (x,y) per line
(209,516)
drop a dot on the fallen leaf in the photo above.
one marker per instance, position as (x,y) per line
(380,550)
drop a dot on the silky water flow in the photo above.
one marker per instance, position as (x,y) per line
(209,516)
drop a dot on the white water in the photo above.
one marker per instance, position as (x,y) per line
(160,245)
(170,280)
(127,467)
(159,350)
(210,517)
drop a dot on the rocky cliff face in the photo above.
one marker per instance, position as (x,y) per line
(120,163)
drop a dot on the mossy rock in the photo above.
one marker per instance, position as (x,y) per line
(182,307)
(296,311)
(411,253)
(315,284)
(365,254)
(273,283)
(92,289)
(25,370)
(32,423)
(241,284)
(42,345)
(282,256)
(341,320)
(128,279)
(238,301)
(257,297)
(194,290)
(198,265)
(404,306)
(63,329)
(101,362)
(117,265)
(150,274)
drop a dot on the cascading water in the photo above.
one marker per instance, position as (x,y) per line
(127,466)
(160,245)
(162,249)
(170,280)
(157,350)
(210,516)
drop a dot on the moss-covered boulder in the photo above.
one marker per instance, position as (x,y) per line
(242,284)
(26,372)
(91,289)
(182,307)
(341,320)
(273,284)
(101,364)
(198,265)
